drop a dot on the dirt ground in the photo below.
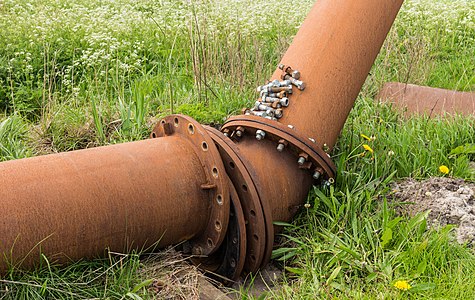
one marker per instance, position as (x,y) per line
(450,201)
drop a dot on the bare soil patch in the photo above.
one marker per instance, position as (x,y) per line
(450,201)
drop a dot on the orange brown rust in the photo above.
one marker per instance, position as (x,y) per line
(423,100)
(219,191)
(121,197)
(334,51)
(228,261)
(258,215)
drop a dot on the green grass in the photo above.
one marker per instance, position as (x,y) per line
(86,73)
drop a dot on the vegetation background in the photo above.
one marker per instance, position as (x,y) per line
(78,74)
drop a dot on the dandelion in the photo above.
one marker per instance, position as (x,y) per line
(391,153)
(365,137)
(444,169)
(402,285)
(368,148)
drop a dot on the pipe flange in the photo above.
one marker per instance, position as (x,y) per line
(227,263)
(311,156)
(258,214)
(216,179)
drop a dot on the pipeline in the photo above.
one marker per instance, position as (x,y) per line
(422,100)
(218,193)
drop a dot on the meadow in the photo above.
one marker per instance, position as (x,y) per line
(79,74)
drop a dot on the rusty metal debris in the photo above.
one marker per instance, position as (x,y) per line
(220,191)
(423,100)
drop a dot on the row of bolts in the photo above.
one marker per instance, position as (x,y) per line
(273,97)
(260,134)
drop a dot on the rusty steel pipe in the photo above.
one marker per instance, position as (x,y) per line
(334,51)
(429,101)
(121,197)
(179,185)
(79,203)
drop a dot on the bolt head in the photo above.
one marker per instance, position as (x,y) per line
(260,134)
(301,160)
(284,101)
(316,175)
(280,147)
(296,74)
(238,133)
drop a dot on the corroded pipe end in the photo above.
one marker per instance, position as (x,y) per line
(422,100)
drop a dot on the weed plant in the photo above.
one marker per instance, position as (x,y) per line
(78,74)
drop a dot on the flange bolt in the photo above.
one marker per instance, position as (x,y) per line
(260,134)
(316,175)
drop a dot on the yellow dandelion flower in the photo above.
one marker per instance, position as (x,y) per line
(402,285)
(444,169)
(365,137)
(368,148)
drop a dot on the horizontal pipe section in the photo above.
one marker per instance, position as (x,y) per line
(334,51)
(122,197)
(423,100)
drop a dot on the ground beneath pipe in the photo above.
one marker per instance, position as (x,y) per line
(450,201)
(170,275)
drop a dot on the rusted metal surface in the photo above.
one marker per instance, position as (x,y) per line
(179,184)
(216,183)
(283,183)
(316,158)
(423,100)
(227,263)
(334,51)
(122,197)
(258,214)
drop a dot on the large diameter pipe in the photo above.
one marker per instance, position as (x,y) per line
(429,101)
(122,197)
(334,51)
(131,195)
